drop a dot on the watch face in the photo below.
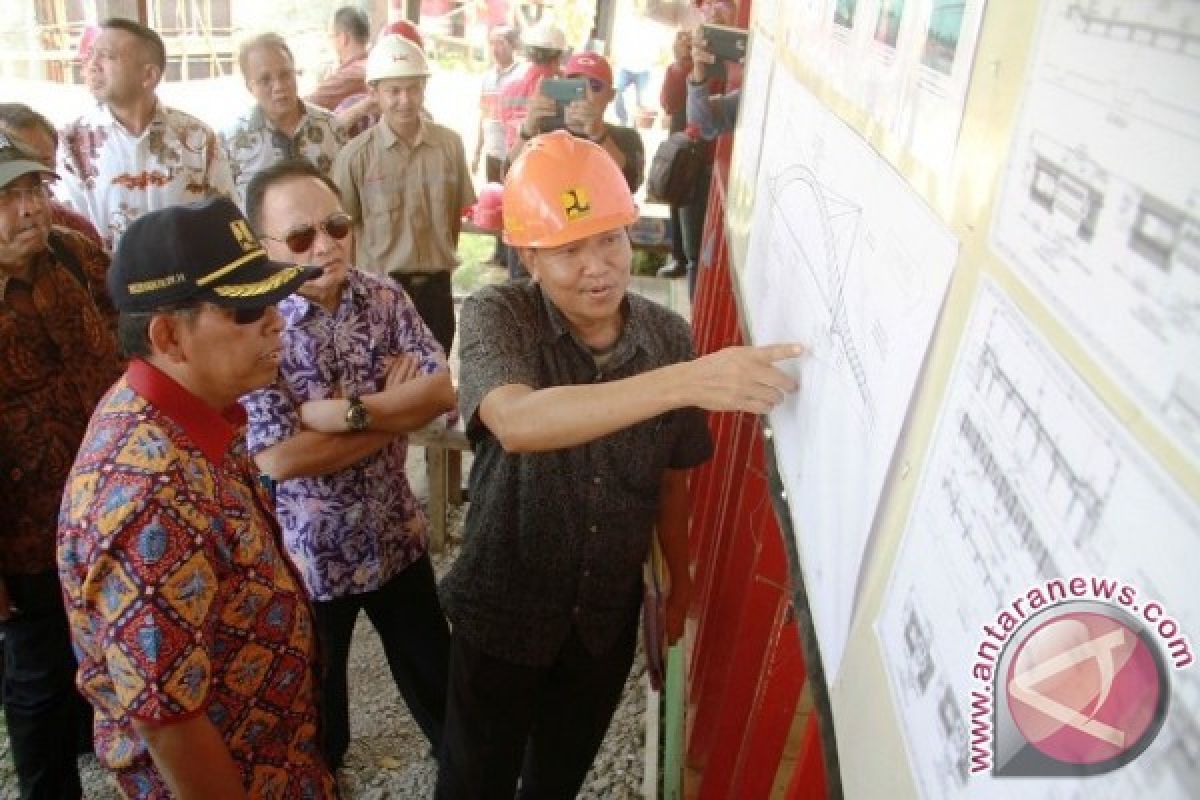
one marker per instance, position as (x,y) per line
(357,418)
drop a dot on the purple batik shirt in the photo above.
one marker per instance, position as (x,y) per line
(352,530)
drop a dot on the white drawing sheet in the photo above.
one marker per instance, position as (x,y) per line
(1100,207)
(1028,479)
(845,258)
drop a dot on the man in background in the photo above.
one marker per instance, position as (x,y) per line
(405,182)
(585,117)
(351,35)
(130,153)
(491,139)
(279,125)
(58,355)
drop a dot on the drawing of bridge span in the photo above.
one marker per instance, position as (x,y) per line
(820,229)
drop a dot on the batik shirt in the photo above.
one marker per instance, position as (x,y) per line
(252,144)
(180,599)
(353,530)
(112,176)
(58,356)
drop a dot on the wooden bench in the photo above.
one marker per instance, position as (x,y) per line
(444,447)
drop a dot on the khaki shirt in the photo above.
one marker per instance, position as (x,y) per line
(407,201)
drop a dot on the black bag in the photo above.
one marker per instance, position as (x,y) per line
(675,170)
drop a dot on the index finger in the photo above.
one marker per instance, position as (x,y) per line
(782,351)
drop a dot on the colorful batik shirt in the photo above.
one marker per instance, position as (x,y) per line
(179,597)
(112,176)
(353,530)
(252,144)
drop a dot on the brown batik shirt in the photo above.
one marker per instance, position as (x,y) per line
(58,356)
(556,540)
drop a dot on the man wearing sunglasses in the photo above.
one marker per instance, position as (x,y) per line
(406,183)
(194,633)
(359,370)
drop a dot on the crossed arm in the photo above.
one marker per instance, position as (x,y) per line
(324,444)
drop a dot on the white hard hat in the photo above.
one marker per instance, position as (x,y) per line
(394,56)
(546,36)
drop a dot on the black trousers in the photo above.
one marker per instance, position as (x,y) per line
(433,296)
(543,724)
(416,642)
(49,722)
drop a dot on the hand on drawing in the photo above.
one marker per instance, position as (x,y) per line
(741,378)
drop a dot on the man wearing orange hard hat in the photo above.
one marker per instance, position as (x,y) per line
(584,404)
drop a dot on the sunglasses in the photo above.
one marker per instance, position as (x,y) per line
(300,240)
(241,316)
(248,316)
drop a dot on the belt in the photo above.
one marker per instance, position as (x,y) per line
(418,278)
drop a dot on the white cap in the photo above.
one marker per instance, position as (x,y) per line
(393,56)
(546,36)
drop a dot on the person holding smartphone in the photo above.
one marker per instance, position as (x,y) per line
(584,117)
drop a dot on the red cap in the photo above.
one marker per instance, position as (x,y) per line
(591,65)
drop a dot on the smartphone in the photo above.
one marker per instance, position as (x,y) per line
(726,43)
(565,90)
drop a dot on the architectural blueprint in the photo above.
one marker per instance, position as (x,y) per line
(1100,208)
(905,63)
(1030,479)
(846,259)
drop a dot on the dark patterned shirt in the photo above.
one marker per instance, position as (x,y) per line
(557,539)
(58,357)
(180,599)
(353,530)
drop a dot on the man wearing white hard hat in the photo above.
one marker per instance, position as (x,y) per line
(406,182)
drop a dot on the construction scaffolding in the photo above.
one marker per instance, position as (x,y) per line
(40,39)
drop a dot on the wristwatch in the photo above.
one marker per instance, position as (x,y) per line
(357,416)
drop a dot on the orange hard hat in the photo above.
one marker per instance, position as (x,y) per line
(561,189)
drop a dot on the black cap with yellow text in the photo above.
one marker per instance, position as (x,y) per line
(198,252)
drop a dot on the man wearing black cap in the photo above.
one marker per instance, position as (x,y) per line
(58,356)
(194,634)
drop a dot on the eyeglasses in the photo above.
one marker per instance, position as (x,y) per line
(300,240)
(241,316)
(248,316)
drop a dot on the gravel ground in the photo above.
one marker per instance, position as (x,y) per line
(388,755)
